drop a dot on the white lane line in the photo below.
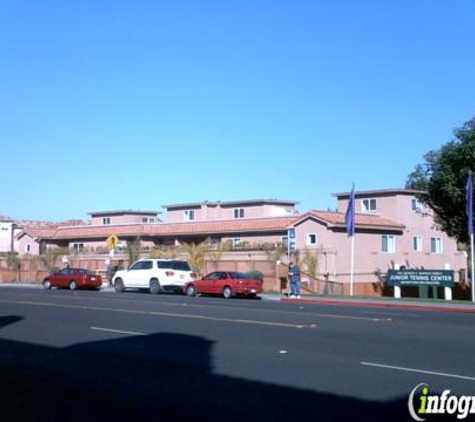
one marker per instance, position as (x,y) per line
(418,371)
(110,330)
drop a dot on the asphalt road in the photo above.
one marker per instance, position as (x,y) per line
(107,356)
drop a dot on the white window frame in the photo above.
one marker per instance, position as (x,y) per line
(78,247)
(436,245)
(27,248)
(416,205)
(366,205)
(285,240)
(236,241)
(238,213)
(309,239)
(417,245)
(106,221)
(390,243)
(189,215)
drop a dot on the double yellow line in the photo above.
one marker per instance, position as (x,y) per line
(163,314)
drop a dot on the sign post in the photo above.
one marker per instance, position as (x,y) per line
(290,242)
(112,241)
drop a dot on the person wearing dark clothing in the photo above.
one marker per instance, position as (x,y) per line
(295,280)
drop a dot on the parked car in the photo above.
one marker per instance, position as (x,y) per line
(225,283)
(155,275)
(73,278)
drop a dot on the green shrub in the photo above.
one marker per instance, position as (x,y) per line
(256,274)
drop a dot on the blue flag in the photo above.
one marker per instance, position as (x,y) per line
(469,205)
(350,214)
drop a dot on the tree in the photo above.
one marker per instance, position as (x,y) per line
(15,263)
(51,256)
(196,255)
(443,177)
(133,250)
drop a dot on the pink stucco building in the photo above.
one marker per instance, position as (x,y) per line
(392,230)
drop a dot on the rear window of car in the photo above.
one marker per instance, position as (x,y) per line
(79,271)
(240,275)
(174,265)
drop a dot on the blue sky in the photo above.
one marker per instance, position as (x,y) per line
(134,104)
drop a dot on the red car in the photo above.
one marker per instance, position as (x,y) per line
(225,283)
(74,278)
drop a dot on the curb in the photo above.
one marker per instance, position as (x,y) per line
(422,307)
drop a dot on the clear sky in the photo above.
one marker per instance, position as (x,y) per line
(117,104)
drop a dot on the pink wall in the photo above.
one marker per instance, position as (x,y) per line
(368,246)
(225,212)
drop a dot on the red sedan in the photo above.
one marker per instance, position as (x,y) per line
(225,283)
(73,278)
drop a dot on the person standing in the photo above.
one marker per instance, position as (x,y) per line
(295,280)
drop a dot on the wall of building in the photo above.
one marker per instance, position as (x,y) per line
(119,219)
(27,245)
(6,233)
(207,212)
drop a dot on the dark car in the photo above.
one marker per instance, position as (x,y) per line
(225,283)
(73,278)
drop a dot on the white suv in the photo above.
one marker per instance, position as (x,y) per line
(154,275)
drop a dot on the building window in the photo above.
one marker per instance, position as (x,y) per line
(78,247)
(239,213)
(369,205)
(236,242)
(28,248)
(417,243)
(285,240)
(416,205)
(311,239)
(436,245)
(388,243)
(189,215)
(106,220)
(147,220)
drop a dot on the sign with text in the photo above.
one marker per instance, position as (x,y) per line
(291,239)
(444,278)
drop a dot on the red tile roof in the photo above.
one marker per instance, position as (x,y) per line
(203,228)
(361,220)
(256,225)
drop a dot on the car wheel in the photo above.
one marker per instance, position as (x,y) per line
(227,292)
(73,285)
(191,290)
(252,295)
(154,286)
(47,284)
(119,285)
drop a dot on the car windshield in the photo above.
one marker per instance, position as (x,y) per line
(174,265)
(240,275)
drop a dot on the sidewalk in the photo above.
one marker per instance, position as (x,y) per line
(410,304)
(368,302)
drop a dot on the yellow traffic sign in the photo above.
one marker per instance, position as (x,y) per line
(112,241)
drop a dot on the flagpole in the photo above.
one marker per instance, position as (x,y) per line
(353,264)
(473,266)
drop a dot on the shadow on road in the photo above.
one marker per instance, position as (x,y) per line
(166,377)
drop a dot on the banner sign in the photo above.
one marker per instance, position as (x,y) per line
(443,278)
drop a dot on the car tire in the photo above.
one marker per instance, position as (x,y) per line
(154,286)
(191,290)
(252,296)
(73,285)
(119,285)
(47,285)
(228,292)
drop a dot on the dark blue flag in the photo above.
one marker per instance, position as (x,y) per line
(350,214)
(469,205)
